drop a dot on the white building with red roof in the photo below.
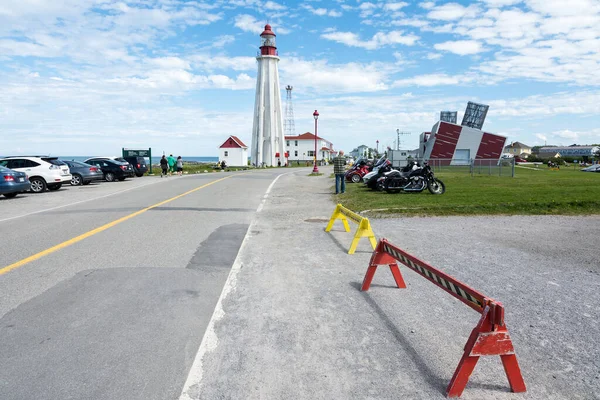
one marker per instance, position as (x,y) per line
(234,152)
(302,148)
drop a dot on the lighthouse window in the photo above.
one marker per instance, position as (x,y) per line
(296,153)
(296,143)
(311,153)
(226,153)
(287,143)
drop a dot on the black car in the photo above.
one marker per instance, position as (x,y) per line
(139,165)
(83,174)
(113,169)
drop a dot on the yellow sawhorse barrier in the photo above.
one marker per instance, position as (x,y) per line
(364,226)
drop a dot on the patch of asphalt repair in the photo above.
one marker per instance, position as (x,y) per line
(219,250)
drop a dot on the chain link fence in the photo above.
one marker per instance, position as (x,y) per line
(503,167)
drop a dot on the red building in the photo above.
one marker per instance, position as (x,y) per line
(452,144)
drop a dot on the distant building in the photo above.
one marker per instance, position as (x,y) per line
(302,148)
(360,151)
(452,144)
(518,149)
(234,152)
(568,151)
(400,158)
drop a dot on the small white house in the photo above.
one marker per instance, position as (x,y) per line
(302,148)
(234,152)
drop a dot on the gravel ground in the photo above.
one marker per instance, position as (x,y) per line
(297,326)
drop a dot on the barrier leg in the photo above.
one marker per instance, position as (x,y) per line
(397,276)
(354,244)
(368,278)
(337,215)
(513,373)
(371,273)
(487,340)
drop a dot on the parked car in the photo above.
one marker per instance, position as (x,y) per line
(43,172)
(139,165)
(520,160)
(83,174)
(592,168)
(13,182)
(112,169)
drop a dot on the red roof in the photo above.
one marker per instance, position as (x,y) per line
(304,136)
(233,142)
(268,31)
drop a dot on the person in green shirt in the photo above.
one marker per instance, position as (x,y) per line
(171,161)
(339,169)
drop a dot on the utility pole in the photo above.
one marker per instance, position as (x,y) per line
(398,133)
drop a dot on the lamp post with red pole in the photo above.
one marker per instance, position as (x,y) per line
(316,116)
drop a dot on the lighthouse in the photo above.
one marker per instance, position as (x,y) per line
(267,128)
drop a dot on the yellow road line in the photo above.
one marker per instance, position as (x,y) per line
(102,228)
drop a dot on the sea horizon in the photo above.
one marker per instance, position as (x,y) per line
(157,157)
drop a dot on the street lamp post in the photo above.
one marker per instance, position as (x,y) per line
(377,148)
(316,116)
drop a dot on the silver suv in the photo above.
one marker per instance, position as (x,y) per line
(43,172)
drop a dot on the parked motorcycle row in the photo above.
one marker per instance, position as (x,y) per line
(381,176)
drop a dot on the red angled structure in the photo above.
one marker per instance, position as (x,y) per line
(489,337)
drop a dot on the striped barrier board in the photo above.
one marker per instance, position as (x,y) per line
(364,226)
(490,335)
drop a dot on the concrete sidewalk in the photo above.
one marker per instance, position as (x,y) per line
(296,325)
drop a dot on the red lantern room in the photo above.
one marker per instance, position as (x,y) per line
(267,42)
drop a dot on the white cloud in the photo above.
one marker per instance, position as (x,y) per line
(427,5)
(501,3)
(325,77)
(558,8)
(222,41)
(394,6)
(211,62)
(322,11)
(460,47)
(433,56)
(170,63)
(378,40)
(452,11)
(271,5)
(428,80)
(248,23)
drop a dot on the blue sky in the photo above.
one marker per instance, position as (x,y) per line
(82,77)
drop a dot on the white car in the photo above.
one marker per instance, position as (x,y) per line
(43,172)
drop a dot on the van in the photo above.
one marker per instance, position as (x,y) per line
(139,165)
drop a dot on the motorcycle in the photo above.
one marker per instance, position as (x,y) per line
(394,173)
(415,180)
(371,180)
(374,169)
(357,171)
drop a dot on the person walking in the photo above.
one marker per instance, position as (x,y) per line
(164,166)
(179,166)
(171,161)
(339,163)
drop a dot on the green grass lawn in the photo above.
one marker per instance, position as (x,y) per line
(530,192)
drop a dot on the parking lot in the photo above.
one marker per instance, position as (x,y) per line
(28,203)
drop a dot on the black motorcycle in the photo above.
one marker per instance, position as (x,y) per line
(394,173)
(383,168)
(415,180)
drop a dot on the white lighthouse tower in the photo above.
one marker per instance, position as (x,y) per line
(267,130)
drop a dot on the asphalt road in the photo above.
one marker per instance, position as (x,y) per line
(118,314)
(234,291)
